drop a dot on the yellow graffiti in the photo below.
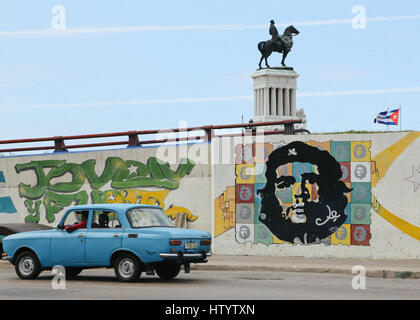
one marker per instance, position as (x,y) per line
(154,198)
(224,211)
(402,225)
(386,158)
(383,162)
(173,211)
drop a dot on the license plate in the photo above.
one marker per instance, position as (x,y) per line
(191,245)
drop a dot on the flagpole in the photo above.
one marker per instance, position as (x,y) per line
(387,126)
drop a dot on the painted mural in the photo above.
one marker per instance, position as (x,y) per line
(300,193)
(6,203)
(121,181)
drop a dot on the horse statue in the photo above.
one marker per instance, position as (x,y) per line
(283,45)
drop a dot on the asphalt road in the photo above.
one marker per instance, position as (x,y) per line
(207,285)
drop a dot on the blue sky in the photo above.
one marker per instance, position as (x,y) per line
(134,65)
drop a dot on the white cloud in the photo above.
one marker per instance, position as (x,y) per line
(221,27)
(201,100)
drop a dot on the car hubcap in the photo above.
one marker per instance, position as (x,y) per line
(126,268)
(26,266)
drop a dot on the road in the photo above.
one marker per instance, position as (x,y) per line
(207,285)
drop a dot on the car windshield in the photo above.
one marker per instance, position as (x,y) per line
(148,217)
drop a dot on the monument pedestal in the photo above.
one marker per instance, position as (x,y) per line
(274,96)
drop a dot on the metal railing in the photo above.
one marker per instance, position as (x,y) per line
(60,145)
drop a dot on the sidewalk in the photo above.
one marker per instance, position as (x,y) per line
(379,268)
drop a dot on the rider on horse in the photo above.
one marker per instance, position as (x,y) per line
(278,41)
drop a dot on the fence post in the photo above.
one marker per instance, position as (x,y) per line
(133,139)
(59,145)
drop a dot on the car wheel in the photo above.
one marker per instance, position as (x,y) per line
(167,270)
(72,272)
(27,265)
(127,268)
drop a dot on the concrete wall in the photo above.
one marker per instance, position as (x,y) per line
(39,188)
(378,218)
(237,190)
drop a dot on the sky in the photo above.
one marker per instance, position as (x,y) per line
(88,67)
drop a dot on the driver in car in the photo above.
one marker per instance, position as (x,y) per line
(80,225)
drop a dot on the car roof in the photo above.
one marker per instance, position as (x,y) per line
(110,206)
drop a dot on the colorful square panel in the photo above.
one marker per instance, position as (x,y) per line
(340,150)
(360,213)
(245,174)
(244,193)
(244,154)
(360,172)
(262,151)
(244,233)
(360,235)
(346,171)
(342,235)
(361,192)
(262,234)
(245,213)
(360,151)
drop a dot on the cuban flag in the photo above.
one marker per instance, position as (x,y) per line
(388,117)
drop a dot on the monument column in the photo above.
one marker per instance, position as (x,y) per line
(286,105)
(275,90)
(280,102)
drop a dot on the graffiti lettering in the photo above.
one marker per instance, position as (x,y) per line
(122,174)
(332,215)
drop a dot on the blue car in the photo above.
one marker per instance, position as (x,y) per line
(130,238)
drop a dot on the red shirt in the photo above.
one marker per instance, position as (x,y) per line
(76,226)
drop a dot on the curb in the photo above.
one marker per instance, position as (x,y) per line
(370,272)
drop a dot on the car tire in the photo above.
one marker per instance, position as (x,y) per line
(127,267)
(72,272)
(168,270)
(27,265)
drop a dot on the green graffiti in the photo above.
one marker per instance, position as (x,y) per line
(55,202)
(77,182)
(122,174)
(161,175)
(112,166)
(34,214)
(36,192)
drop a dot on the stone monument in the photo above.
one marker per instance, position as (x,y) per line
(275,87)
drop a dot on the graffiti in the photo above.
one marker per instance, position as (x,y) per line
(302,193)
(401,224)
(123,176)
(414,178)
(315,170)
(6,203)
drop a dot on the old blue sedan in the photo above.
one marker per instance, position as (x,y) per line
(130,238)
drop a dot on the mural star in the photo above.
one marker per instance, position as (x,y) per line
(132,169)
(415,178)
(111,197)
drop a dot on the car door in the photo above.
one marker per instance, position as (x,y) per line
(103,237)
(69,248)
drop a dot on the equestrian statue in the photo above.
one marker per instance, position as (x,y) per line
(282,44)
